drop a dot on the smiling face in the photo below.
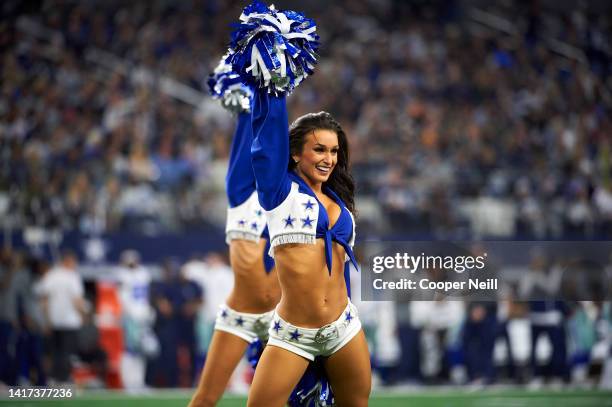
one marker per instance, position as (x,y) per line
(318,157)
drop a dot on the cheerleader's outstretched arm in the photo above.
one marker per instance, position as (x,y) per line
(240,181)
(270,148)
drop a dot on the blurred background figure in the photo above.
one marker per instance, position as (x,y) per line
(176,301)
(507,311)
(437,336)
(189,303)
(137,314)
(605,329)
(14,280)
(33,359)
(90,354)
(214,276)
(582,336)
(479,336)
(163,370)
(547,318)
(63,294)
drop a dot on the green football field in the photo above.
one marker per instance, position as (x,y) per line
(428,398)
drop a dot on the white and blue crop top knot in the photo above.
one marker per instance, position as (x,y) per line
(245,217)
(293,212)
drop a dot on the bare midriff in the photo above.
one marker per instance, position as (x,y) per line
(255,291)
(311,297)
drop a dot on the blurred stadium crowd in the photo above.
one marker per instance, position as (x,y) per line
(466,119)
(463,121)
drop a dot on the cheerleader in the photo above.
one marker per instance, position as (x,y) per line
(245,317)
(307,192)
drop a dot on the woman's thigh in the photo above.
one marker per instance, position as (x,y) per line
(277,373)
(223,355)
(350,374)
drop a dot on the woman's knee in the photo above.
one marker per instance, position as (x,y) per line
(270,394)
(355,393)
(356,398)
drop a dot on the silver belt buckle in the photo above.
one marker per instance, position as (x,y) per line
(326,333)
(260,325)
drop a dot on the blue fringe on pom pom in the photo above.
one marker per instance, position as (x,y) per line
(273,49)
(313,389)
(224,84)
(254,351)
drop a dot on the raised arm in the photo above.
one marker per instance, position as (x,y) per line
(270,149)
(240,181)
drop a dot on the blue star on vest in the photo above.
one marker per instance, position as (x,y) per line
(239,321)
(308,205)
(277,326)
(224,313)
(349,317)
(295,335)
(241,222)
(289,221)
(258,212)
(307,222)
(254,225)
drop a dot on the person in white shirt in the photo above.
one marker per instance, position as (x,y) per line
(62,292)
(214,276)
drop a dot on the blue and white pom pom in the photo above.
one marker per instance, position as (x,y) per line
(225,84)
(273,50)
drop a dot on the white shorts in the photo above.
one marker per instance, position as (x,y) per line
(246,326)
(312,342)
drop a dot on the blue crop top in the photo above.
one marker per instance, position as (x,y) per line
(293,212)
(245,216)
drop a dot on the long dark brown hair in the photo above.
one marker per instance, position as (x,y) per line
(340,181)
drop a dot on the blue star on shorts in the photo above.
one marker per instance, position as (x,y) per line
(277,326)
(295,335)
(239,321)
(349,317)
(223,313)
